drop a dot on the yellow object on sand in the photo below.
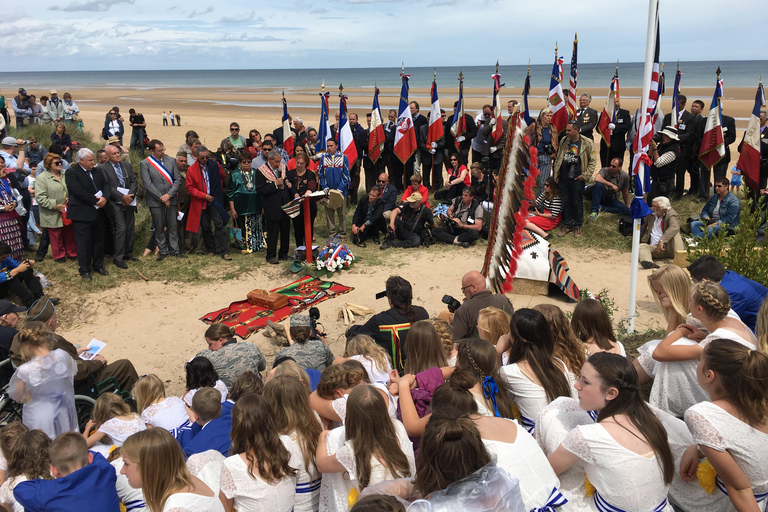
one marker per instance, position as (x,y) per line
(706,475)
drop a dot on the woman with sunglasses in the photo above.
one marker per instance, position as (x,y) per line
(51,193)
(113,127)
(458,178)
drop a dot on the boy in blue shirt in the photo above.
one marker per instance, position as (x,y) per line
(211,431)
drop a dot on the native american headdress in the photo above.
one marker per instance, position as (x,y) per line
(514,194)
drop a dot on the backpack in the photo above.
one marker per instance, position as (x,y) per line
(625,225)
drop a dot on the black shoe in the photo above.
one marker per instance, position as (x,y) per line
(41,258)
(648,265)
(54,300)
(273,261)
(60,260)
(101,271)
(180,255)
(283,258)
(120,264)
(133,258)
(87,276)
(161,257)
(465,245)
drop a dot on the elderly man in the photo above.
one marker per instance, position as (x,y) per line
(55,107)
(586,117)
(121,205)
(205,185)
(368,220)
(609,182)
(22,108)
(463,221)
(660,235)
(270,183)
(575,159)
(388,194)
(161,179)
(88,192)
(722,209)
(476,297)
(300,131)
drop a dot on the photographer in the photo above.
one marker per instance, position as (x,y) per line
(408,224)
(575,159)
(665,153)
(463,221)
(389,329)
(545,140)
(476,297)
(19,278)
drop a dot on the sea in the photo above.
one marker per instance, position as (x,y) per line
(736,73)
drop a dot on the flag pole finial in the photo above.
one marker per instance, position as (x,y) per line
(718,71)
(434,77)
(555,49)
(575,37)
(323,86)
(461,76)
(497,67)
(529,65)
(617,66)
(341,89)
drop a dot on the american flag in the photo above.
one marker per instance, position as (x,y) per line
(572,84)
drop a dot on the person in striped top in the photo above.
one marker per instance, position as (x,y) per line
(546,214)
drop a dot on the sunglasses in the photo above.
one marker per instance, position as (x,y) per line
(234,129)
(57,162)
(112,114)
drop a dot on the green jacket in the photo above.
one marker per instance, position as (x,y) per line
(587,156)
(246,201)
(50,192)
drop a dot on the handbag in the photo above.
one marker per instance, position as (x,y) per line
(64,218)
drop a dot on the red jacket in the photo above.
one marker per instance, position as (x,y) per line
(424,191)
(196,189)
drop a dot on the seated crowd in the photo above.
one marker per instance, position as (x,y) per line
(537,411)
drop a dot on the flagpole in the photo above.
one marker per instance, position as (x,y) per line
(650,43)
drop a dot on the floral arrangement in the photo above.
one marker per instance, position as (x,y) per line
(334,256)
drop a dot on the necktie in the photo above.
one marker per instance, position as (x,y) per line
(207,180)
(119,173)
(90,175)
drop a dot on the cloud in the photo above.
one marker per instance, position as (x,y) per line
(321,10)
(194,14)
(90,6)
(248,18)
(245,38)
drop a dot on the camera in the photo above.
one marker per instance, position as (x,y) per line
(381,295)
(549,149)
(452,303)
(249,142)
(485,162)
(314,316)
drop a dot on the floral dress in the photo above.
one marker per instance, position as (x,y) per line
(10,232)
(243,194)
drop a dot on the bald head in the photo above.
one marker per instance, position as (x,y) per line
(113,154)
(472,283)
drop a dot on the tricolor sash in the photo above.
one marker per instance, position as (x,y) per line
(158,165)
(604,506)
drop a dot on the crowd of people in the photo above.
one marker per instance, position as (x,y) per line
(481,407)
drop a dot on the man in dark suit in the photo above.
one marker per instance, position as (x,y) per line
(684,133)
(390,129)
(161,179)
(618,137)
(695,168)
(586,117)
(465,141)
(123,186)
(270,183)
(88,192)
(720,169)
(388,194)
(368,220)
(431,157)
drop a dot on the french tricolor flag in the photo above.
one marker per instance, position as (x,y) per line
(346,141)
(556,98)
(712,148)
(608,117)
(287,138)
(749,157)
(498,128)
(405,137)
(435,131)
(376,138)
(459,124)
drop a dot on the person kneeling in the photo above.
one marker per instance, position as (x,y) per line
(463,221)
(368,220)
(19,278)
(409,224)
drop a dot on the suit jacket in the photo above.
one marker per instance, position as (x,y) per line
(426,156)
(729,136)
(450,141)
(587,121)
(389,197)
(195,186)
(358,219)
(670,227)
(156,186)
(272,197)
(214,436)
(115,199)
(623,124)
(419,121)
(82,192)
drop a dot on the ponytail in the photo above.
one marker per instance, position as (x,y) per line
(478,362)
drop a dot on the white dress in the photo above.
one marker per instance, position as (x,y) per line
(207,467)
(530,398)
(254,494)
(169,414)
(375,374)
(45,386)
(307,479)
(219,386)
(340,404)
(119,430)
(6,492)
(189,502)
(622,479)
(484,406)
(715,428)
(132,499)
(525,461)
(335,487)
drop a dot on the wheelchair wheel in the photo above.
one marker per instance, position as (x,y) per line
(84,409)
(10,411)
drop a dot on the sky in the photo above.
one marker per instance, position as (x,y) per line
(235,34)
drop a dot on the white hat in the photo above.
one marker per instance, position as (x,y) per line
(671,132)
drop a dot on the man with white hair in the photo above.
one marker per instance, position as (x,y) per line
(661,234)
(270,183)
(586,117)
(300,130)
(88,192)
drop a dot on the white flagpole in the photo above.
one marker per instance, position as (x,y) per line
(650,48)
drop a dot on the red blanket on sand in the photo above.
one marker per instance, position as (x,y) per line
(248,319)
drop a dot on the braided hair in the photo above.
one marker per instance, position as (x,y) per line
(713,299)
(478,362)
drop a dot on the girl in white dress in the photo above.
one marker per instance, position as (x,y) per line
(533,377)
(201,374)
(112,423)
(154,462)
(568,347)
(9,434)
(625,454)
(169,413)
(591,324)
(731,430)
(44,383)
(28,460)
(294,418)
(370,448)
(367,352)
(516,451)
(260,476)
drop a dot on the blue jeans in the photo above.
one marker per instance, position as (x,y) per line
(572,192)
(600,201)
(700,230)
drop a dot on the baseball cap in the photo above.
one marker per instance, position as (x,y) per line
(9,141)
(7,306)
(414,198)
(23,91)
(53,91)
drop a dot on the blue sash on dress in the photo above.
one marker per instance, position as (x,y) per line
(604,506)
(309,487)
(556,499)
(720,485)
(528,424)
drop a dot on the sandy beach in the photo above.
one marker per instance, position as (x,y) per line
(156,324)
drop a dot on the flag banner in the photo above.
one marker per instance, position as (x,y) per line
(525,114)
(608,117)
(749,156)
(557,100)
(459,124)
(287,138)
(498,128)
(572,85)
(405,137)
(376,137)
(346,141)
(324,128)
(712,148)
(435,130)
(675,114)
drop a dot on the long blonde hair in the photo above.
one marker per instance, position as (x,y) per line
(677,284)
(363,345)
(32,336)
(443,329)
(761,328)
(147,390)
(161,465)
(495,322)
